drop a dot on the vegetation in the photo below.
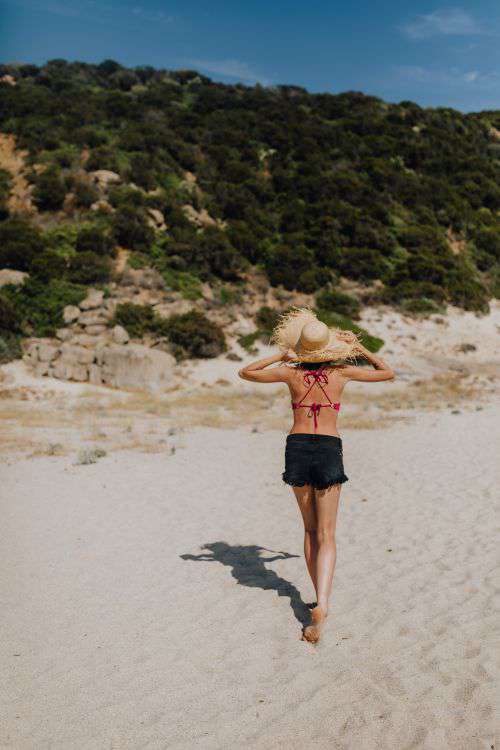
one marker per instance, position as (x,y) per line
(402,200)
(190,334)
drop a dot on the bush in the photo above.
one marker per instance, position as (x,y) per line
(49,265)
(20,242)
(85,194)
(334,300)
(94,239)
(131,230)
(39,304)
(49,192)
(136,319)
(194,335)
(89,268)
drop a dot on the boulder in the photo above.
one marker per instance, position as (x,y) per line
(64,334)
(95,330)
(95,375)
(104,177)
(8,276)
(120,335)
(102,205)
(73,355)
(46,352)
(41,369)
(136,366)
(71,313)
(93,299)
(156,219)
(91,318)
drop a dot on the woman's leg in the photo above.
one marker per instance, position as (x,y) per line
(305,500)
(327,502)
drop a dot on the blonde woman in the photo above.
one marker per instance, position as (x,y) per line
(315,364)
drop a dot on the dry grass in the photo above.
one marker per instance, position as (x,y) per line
(144,422)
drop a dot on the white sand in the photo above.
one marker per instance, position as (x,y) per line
(139,610)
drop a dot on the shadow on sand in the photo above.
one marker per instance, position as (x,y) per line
(247,567)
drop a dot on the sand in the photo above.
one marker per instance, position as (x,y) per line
(155,600)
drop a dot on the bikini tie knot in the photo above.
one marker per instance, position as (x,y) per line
(315,376)
(314,410)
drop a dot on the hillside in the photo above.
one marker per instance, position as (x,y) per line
(339,200)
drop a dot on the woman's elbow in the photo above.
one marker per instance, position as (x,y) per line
(390,375)
(242,374)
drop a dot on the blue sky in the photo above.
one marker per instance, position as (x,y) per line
(436,54)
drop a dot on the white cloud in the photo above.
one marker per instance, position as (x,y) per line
(448,22)
(230,68)
(449,76)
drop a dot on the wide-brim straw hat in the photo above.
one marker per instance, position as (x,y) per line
(310,338)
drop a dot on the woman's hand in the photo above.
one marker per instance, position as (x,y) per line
(288,356)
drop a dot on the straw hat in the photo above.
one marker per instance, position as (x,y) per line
(310,339)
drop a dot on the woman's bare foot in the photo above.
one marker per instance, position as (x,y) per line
(312,632)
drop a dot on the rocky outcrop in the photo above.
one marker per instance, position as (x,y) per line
(87,349)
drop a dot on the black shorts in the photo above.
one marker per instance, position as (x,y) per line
(313,459)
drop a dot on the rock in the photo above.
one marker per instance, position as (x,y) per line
(91,318)
(198,218)
(233,357)
(145,278)
(104,178)
(95,330)
(136,366)
(16,278)
(156,219)
(41,369)
(80,373)
(62,370)
(93,299)
(84,339)
(64,334)
(73,355)
(102,205)
(46,352)
(120,335)
(71,313)
(95,375)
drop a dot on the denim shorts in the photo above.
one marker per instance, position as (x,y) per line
(313,459)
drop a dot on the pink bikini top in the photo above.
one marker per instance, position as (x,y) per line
(310,378)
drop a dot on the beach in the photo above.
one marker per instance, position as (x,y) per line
(156,599)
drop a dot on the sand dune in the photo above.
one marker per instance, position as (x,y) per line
(156,600)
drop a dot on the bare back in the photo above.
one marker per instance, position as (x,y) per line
(315,396)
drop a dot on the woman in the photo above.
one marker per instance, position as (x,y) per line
(313,454)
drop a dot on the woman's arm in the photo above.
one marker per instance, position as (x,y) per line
(256,370)
(381,371)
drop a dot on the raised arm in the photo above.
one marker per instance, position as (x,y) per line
(256,371)
(381,370)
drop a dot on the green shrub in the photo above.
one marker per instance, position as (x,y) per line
(39,304)
(85,194)
(136,319)
(49,192)
(94,239)
(20,242)
(131,230)
(49,265)
(194,335)
(10,347)
(333,300)
(5,188)
(89,268)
